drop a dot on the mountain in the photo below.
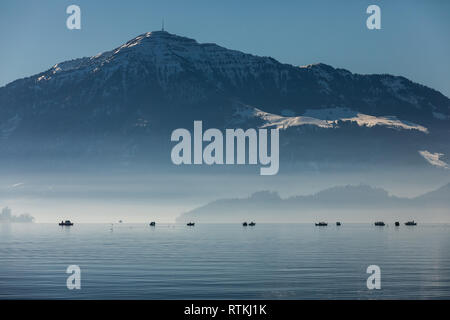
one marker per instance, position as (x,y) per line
(120,106)
(350,203)
(439,197)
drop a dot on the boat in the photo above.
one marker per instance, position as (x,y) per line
(191,224)
(380,223)
(338,223)
(397,224)
(245,224)
(152,224)
(66,223)
(251,224)
(321,224)
(411,223)
(120,221)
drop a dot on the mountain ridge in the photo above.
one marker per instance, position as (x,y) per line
(349,202)
(122,103)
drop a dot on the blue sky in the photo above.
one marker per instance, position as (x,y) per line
(413,42)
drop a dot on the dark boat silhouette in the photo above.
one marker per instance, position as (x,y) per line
(191,224)
(380,223)
(66,223)
(251,224)
(411,223)
(245,224)
(397,224)
(321,224)
(152,224)
(338,223)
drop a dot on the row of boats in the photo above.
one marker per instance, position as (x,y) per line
(318,224)
(251,224)
(153,223)
(189,224)
(397,224)
(378,223)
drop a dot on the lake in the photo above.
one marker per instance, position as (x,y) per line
(224,261)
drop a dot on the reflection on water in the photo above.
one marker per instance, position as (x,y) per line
(213,261)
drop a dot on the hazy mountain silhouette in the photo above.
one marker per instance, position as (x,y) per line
(350,203)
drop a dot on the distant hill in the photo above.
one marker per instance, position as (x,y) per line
(347,203)
(438,197)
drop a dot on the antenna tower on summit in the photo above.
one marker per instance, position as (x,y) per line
(162,29)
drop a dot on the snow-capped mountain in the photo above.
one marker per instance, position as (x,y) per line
(121,105)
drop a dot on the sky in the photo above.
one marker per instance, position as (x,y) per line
(413,40)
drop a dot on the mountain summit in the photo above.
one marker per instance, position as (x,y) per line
(123,103)
(165,55)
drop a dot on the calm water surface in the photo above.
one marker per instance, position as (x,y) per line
(224,261)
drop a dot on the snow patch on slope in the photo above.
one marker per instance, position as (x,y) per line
(434,158)
(345,114)
(281,122)
(277,121)
(326,118)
